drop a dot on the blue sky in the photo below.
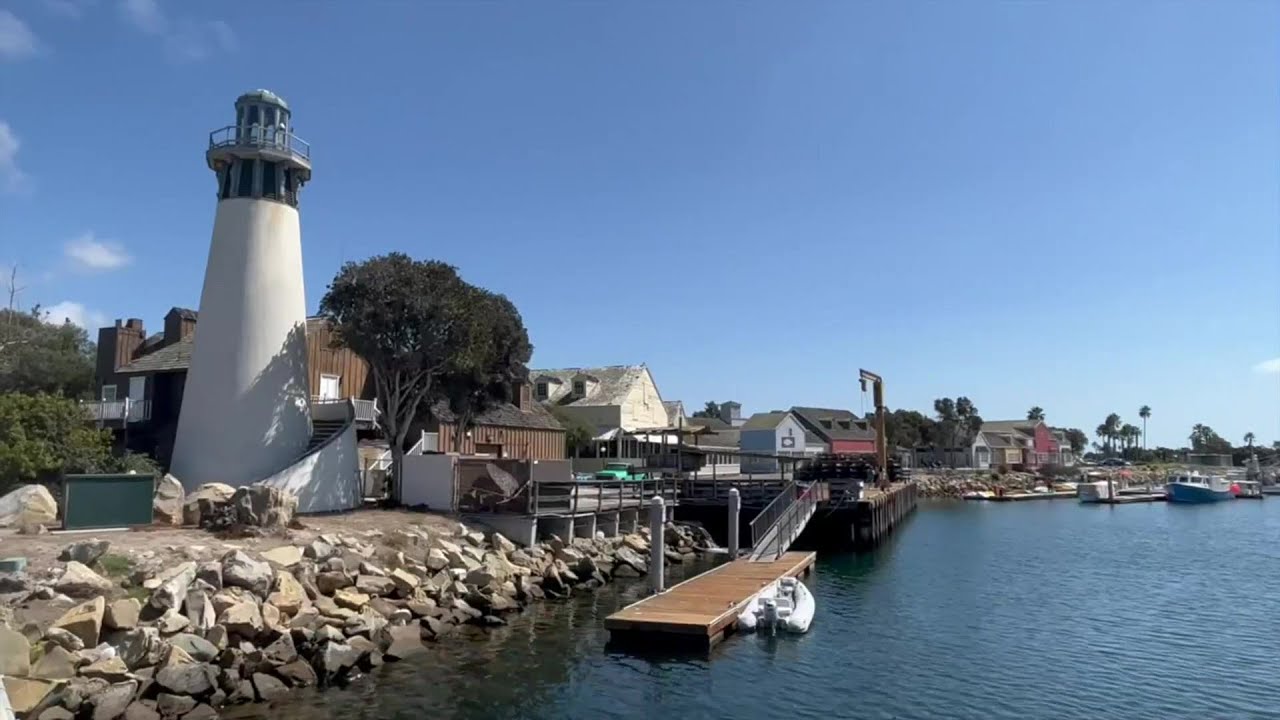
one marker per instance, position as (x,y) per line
(1071,205)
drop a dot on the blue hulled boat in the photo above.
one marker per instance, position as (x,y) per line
(1197,488)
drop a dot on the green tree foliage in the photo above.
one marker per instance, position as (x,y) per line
(710,410)
(958,422)
(1205,440)
(1077,439)
(577,432)
(1036,414)
(493,359)
(1144,412)
(45,436)
(409,319)
(907,428)
(1249,437)
(37,357)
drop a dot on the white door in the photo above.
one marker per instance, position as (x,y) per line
(329,387)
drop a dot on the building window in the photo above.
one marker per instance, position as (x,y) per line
(844,424)
(108,393)
(225,176)
(826,424)
(245,186)
(330,387)
(269,188)
(542,391)
(579,388)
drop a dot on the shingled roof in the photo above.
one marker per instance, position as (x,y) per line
(506,415)
(609,385)
(812,418)
(177,356)
(764,421)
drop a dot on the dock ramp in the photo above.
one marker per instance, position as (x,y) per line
(782,521)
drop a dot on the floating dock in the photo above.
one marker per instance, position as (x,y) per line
(1019,497)
(1128,499)
(702,610)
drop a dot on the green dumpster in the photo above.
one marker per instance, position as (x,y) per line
(107,501)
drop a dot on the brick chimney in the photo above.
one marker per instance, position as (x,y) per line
(117,346)
(178,324)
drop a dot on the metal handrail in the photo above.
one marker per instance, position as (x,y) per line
(786,524)
(102,410)
(259,136)
(772,512)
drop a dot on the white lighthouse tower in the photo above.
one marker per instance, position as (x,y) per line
(245,407)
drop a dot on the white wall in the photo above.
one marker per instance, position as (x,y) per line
(327,479)
(429,480)
(245,408)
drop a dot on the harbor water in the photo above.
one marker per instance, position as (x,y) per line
(972,610)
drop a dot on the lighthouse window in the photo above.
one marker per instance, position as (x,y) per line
(245,187)
(269,187)
(253,114)
(225,176)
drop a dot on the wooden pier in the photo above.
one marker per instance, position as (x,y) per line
(1022,497)
(1128,499)
(702,610)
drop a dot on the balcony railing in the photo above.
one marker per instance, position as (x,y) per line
(117,410)
(366,410)
(259,137)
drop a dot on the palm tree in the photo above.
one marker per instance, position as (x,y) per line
(1111,429)
(1144,412)
(1130,434)
(1249,438)
(1036,414)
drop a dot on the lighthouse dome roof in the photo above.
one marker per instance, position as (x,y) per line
(262,96)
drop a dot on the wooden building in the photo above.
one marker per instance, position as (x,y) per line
(522,429)
(152,372)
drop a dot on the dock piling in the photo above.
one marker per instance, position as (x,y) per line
(657,546)
(735,510)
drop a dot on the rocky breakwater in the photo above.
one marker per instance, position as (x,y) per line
(954,483)
(248,627)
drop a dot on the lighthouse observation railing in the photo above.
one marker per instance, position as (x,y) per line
(258,136)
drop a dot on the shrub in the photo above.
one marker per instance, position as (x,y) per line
(43,437)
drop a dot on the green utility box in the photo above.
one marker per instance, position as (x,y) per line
(107,501)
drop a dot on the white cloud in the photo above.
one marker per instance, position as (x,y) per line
(16,39)
(145,15)
(184,39)
(89,253)
(75,312)
(11,176)
(1268,367)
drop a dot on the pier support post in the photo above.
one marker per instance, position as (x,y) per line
(657,543)
(735,509)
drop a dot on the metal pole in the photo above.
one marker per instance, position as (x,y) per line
(657,544)
(735,509)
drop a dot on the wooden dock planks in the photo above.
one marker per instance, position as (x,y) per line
(702,609)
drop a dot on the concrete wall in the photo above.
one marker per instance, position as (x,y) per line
(430,480)
(328,478)
(245,411)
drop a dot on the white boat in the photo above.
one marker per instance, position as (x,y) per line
(1095,492)
(978,495)
(784,605)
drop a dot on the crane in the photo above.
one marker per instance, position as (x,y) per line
(882,441)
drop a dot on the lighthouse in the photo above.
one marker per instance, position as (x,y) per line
(246,404)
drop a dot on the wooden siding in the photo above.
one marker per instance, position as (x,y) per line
(516,442)
(323,359)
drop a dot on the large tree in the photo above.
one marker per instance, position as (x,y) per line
(907,428)
(1204,439)
(1077,439)
(409,320)
(492,361)
(42,357)
(710,410)
(1036,414)
(1144,412)
(43,436)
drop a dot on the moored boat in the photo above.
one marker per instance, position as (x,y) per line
(1096,491)
(1196,488)
(784,605)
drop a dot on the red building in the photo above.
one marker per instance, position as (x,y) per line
(840,430)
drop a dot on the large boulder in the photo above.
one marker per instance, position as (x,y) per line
(264,506)
(204,501)
(15,653)
(84,621)
(288,594)
(86,552)
(174,583)
(240,570)
(79,581)
(28,505)
(168,501)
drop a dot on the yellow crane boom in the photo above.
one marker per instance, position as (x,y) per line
(882,441)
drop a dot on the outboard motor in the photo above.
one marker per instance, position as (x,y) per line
(771,615)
